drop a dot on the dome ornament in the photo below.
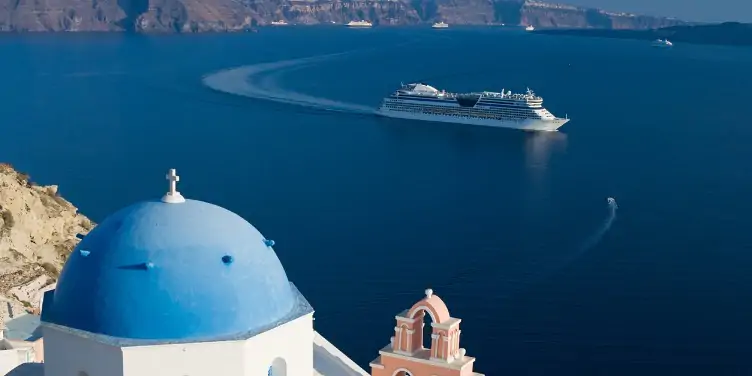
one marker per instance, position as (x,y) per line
(429,293)
(173,196)
(269,243)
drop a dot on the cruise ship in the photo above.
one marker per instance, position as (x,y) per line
(361,23)
(440,25)
(280,23)
(419,101)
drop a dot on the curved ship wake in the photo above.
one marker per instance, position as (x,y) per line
(257,81)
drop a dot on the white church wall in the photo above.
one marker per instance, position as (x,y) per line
(195,359)
(67,354)
(287,349)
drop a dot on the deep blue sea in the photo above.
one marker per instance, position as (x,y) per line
(511,229)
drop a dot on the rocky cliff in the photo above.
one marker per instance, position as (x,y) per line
(38,231)
(236,15)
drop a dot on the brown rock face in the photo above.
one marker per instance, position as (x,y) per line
(38,231)
(235,15)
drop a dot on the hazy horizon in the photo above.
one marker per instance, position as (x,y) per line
(688,10)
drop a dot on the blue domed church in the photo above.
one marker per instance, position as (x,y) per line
(174,286)
(179,287)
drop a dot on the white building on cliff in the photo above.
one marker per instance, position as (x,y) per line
(176,287)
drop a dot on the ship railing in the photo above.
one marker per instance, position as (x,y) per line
(515,96)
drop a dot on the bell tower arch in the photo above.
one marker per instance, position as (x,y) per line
(406,354)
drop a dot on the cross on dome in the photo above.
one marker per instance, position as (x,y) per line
(173,196)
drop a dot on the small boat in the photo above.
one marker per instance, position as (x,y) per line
(361,23)
(663,43)
(440,25)
(529,28)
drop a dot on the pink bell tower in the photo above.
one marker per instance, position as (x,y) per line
(406,356)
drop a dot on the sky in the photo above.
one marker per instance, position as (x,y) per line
(688,10)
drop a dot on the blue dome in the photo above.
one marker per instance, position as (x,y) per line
(164,271)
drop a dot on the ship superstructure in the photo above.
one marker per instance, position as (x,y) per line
(420,101)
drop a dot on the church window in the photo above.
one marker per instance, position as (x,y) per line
(278,368)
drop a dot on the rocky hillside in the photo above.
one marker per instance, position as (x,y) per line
(38,231)
(236,15)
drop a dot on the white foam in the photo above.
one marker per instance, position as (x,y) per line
(254,81)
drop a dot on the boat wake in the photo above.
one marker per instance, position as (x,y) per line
(259,81)
(594,239)
(586,246)
(589,243)
(469,280)
(548,271)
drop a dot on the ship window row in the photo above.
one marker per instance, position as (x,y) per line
(496,110)
(477,114)
(464,112)
(520,108)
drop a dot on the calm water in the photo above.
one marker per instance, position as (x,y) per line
(368,212)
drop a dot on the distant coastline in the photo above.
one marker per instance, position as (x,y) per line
(727,34)
(182,16)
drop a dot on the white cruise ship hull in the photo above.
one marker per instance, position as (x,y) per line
(524,124)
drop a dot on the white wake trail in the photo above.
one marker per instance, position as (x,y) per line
(594,239)
(589,243)
(586,246)
(251,81)
(463,280)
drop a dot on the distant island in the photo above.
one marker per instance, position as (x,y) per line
(728,33)
(184,16)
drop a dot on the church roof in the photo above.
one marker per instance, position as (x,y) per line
(23,328)
(172,270)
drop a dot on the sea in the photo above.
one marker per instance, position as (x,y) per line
(511,229)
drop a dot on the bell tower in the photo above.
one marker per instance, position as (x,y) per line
(406,356)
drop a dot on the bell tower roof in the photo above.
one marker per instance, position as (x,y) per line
(406,354)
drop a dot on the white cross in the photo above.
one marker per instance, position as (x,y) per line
(173,196)
(173,178)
